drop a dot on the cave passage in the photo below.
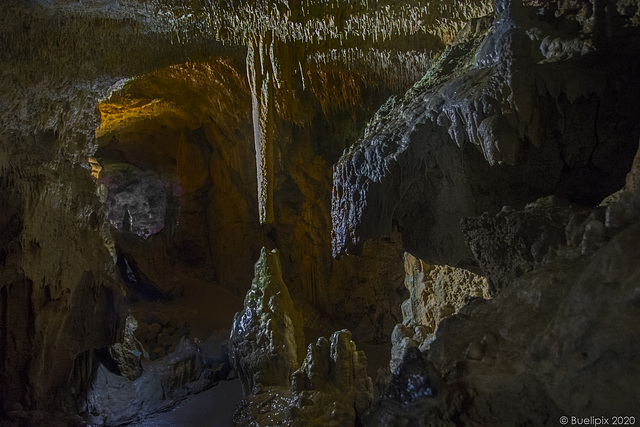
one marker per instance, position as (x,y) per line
(349,213)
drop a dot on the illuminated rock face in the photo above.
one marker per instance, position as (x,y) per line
(61,296)
(114,399)
(497,121)
(436,292)
(267,342)
(137,201)
(329,386)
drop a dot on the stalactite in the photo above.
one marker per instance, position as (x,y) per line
(262,87)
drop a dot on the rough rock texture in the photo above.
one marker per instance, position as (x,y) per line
(555,340)
(60,291)
(538,101)
(367,294)
(136,201)
(512,243)
(329,386)
(114,399)
(437,292)
(170,127)
(96,91)
(127,354)
(267,341)
(336,367)
(190,124)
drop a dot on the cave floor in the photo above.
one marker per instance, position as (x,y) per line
(213,407)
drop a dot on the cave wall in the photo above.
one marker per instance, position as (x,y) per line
(554,342)
(63,296)
(540,101)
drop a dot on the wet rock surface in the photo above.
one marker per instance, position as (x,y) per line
(330,388)
(281,386)
(267,340)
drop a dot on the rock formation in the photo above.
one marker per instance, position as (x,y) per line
(556,270)
(436,293)
(548,345)
(127,355)
(495,123)
(115,398)
(267,341)
(330,386)
(150,149)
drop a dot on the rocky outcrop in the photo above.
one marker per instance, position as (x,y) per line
(329,386)
(127,354)
(520,106)
(114,398)
(553,342)
(336,367)
(436,293)
(267,341)
(512,242)
(413,396)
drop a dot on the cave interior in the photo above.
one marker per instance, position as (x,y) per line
(310,212)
